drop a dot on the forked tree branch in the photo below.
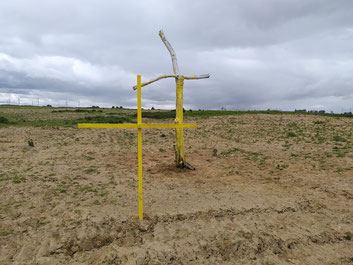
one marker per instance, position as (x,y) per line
(175,76)
(175,65)
(171,51)
(154,80)
(197,76)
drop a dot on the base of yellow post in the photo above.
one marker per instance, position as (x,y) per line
(139,154)
(179,148)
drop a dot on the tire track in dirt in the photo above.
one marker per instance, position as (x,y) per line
(132,232)
(241,246)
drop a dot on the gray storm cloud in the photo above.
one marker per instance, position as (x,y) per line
(260,54)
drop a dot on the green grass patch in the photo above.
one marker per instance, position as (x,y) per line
(159,114)
(231,151)
(338,138)
(5,233)
(4,177)
(291,134)
(88,188)
(12,115)
(91,170)
(4,120)
(105,119)
(18,179)
(74,122)
(78,110)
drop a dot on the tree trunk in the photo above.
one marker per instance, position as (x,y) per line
(179,148)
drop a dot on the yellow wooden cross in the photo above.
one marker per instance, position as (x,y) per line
(139,125)
(180,160)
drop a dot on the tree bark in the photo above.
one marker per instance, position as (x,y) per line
(179,149)
(154,80)
(171,51)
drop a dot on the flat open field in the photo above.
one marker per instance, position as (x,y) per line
(267,189)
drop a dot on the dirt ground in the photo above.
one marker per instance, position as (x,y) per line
(267,189)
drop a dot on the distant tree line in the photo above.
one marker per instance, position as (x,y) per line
(322,112)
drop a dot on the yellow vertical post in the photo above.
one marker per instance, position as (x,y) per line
(139,146)
(179,149)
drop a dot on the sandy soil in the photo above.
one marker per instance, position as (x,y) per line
(267,189)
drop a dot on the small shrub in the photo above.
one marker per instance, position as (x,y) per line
(18,179)
(340,154)
(159,115)
(282,166)
(30,143)
(291,134)
(3,120)
(348,236)
(338,138)
(96,202)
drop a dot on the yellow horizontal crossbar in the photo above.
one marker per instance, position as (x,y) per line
(135,125)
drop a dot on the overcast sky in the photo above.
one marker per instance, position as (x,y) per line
(276,54)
